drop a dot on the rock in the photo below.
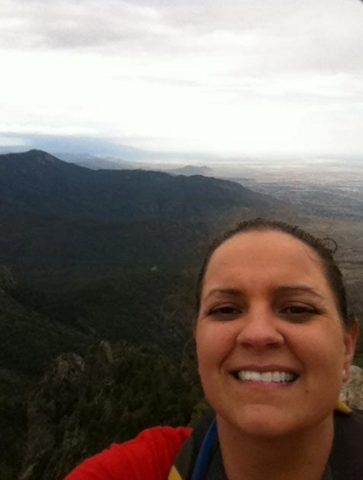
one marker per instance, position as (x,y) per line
(83,405)
(352,392)
(49,407)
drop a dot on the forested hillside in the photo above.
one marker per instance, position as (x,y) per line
(40,183)
(99,267)
(93,255)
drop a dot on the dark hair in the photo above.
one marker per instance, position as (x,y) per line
(320,246)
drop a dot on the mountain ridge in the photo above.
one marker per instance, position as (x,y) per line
(36,181)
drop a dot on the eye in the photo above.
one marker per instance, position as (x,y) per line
(224,312)
(299,311)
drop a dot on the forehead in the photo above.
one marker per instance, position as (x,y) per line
(264,254)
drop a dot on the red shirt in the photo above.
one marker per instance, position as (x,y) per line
(149,456)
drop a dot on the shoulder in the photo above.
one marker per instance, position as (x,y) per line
(150,455)
(349,427)
(346,459)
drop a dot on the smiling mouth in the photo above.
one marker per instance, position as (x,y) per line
(272,377)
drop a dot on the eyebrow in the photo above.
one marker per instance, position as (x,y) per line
(297,289)
(230,292)
(284,289)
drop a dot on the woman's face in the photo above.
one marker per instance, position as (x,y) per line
(272,351)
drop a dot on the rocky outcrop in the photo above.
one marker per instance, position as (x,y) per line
(49,408)
(352,392)
(82,405)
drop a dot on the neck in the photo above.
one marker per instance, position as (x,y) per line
(298,456)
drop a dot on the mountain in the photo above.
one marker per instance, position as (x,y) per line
(66,225)
(190,170)
(37,182)
(99,254)
(96,163)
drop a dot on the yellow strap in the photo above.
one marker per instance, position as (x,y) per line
(343,407)
(174,474)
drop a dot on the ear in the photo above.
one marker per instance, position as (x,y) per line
(350,341)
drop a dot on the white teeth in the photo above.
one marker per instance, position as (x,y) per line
(276,376)
(265,377)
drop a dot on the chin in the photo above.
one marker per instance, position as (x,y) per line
(268,423)
(257,425)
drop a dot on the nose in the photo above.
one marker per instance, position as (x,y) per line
(259,330)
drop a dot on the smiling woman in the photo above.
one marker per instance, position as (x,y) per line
(275,341)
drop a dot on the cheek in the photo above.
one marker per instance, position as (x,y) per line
(322,348)
(214,342)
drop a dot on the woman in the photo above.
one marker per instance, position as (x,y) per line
(274,343)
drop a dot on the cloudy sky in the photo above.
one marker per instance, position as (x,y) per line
(223,78)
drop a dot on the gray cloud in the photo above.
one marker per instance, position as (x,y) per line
(138,68)
(262,36)
(65,143)
(70,24)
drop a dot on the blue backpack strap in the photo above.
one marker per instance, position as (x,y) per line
(205,452)
(193,458)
